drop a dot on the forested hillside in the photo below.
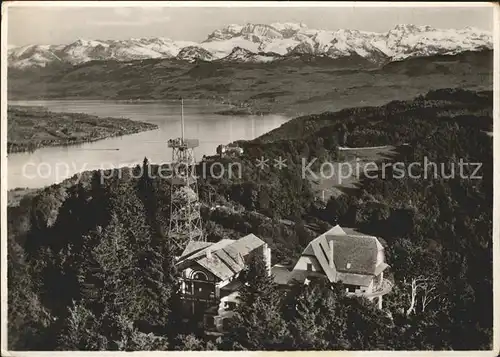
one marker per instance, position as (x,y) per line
(90,265)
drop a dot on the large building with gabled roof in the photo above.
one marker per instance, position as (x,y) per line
(342,255)
(210,271)
(209,286)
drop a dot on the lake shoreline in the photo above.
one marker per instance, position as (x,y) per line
(223,102)
(241,109)
(25,125)
(53,163)
(73,143)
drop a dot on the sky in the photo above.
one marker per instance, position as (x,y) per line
(60,24)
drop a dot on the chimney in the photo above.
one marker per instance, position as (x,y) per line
(330,251)
(209,253)
(266,253)
(268,250)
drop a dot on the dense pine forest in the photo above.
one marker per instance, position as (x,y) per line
(90,265)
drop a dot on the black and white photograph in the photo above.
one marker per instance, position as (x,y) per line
(249,176)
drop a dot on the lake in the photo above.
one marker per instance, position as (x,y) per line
(51,165)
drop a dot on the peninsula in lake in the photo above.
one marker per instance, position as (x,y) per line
(31,128)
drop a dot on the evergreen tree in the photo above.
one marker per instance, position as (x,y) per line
(257,323)
(192,343)
(137,274)
(82,331)
(116,269)
(317,320)
(29,322)
(131,339)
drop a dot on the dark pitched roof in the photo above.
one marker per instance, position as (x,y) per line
(225,258)
(354,256)
(337,230)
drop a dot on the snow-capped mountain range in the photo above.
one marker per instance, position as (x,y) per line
(264,43)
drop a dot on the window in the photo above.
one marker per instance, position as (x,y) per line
(230,305)
(309,267)
(352,288)
(199,275)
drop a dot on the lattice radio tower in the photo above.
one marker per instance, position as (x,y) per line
(185,218)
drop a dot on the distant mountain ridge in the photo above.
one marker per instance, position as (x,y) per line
(265,43)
